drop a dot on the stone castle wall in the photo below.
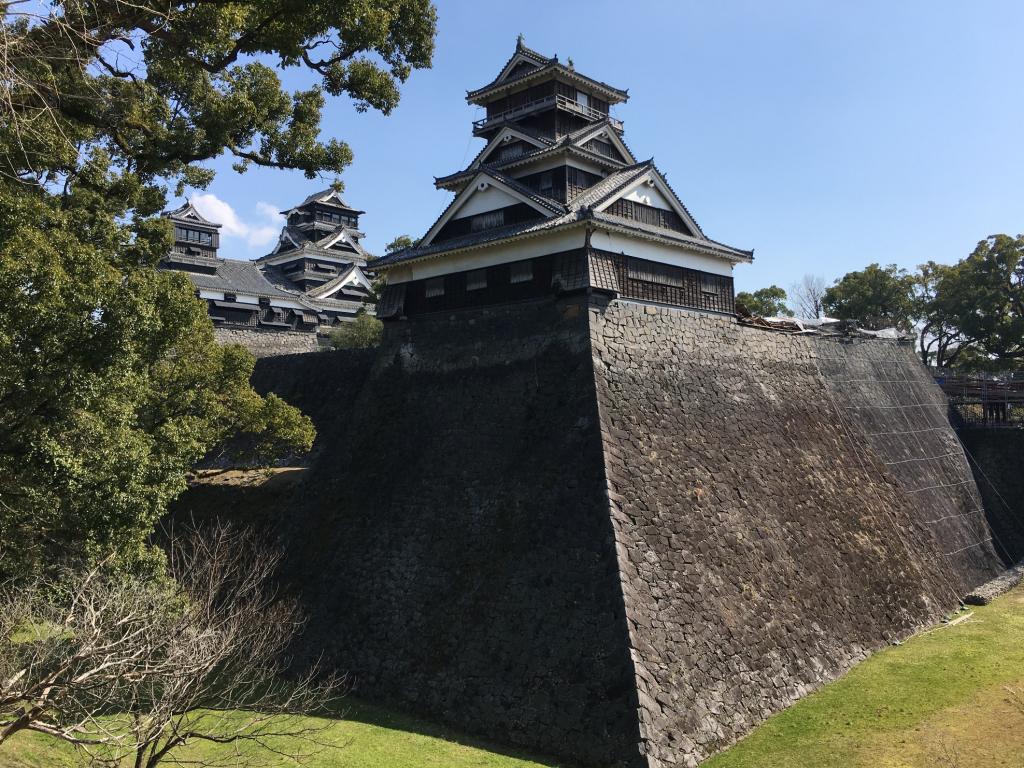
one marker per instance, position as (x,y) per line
(453,542)
(268,343)
(618,534)
(783,505)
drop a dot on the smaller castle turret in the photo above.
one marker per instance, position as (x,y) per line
(196,240)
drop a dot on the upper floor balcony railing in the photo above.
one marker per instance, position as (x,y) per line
(557,100)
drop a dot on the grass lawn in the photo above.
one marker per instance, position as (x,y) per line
(367,737)
(940,700)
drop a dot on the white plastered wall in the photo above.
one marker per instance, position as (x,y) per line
(666,254)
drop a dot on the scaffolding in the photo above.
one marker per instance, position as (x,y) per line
(986,401)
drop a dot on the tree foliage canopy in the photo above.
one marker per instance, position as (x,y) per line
(969,314)
(983,298)
(162,85)
(111,384)
(765,302)
(876,297)
(362,333)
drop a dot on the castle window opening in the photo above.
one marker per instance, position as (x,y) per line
(521,272)
(709,285)
(488,220)
(476,280)
(193,235)
(654,272)
(434,287)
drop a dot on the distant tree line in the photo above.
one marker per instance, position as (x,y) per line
(968,315)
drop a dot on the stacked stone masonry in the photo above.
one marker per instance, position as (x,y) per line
(783,505)
(268,343)
(616,533)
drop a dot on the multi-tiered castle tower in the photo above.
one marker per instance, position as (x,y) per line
(556,202)
(311,282)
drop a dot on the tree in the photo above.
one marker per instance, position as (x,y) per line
(765,302)
(111,385)
(399,243)
(807,296)
(875,297)
(363,332)
(940,342)
(124,666)
(982,297)
(162,86)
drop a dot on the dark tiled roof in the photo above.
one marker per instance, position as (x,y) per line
(564,143)
(234,276)
(189,211)
(310,247)
(324,196)
(521,50)
(578,209)
(546,65)
(473,239)
(699,243)
(610,184)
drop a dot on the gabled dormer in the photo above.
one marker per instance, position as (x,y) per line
(196,240)
(491,201)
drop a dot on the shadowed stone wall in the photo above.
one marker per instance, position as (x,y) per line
(998,464)
(453,543)
(619,534)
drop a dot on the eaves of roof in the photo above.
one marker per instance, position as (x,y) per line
(445,182)
(662,234)
(474,240)
(572,218)
(615,95)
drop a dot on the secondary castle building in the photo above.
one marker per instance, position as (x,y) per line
(286,301)
(555,202)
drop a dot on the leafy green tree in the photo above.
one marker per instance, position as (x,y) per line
(163,85)
(399,243)
(982,297)
(875,297)
(111,384)
(765,302)
(940,341)
(363,332)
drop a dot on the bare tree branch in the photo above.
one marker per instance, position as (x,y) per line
(127,668)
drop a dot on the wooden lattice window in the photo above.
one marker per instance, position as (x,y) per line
(521,272)
(434,287)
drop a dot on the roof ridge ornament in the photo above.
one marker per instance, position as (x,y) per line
(520,42)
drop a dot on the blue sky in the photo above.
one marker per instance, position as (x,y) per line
(824,135)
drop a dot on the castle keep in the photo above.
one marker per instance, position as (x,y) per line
(571,503)
(556,202)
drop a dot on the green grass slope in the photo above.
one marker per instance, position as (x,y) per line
(951,697)
(367,737)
